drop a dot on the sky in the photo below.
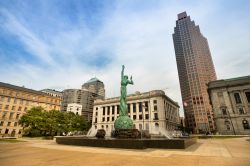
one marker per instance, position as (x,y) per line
(62,44)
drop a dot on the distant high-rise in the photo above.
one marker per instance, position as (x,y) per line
(195,69)
(91,90)
(96,86)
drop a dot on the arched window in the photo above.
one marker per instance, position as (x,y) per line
(245,124)
(157,126)
(241,110)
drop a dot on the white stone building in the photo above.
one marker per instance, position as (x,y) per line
(152,111)
(75,108)
(230,99)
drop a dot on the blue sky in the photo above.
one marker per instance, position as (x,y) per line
(62,44)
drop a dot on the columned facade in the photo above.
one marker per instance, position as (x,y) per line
(152,111)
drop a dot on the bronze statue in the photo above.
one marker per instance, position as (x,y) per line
(123,121)
(124,82)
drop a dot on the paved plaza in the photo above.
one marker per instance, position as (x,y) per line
(233,151)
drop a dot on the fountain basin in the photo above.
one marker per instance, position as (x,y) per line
(127,143)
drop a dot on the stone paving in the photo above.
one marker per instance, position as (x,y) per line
(233,151)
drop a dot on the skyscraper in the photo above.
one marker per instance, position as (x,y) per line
(96,86)
(91,90)
(195,69)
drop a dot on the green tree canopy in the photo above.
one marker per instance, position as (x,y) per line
(40,122)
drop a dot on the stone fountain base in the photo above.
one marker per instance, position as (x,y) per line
(126,133)
(127,143)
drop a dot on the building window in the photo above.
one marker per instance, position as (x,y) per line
(237,98)
(108,119)
(156,126)
(134,107)
(17,116)
(241,110)
(156,116)
(245,124)
(15,124)
(134,117)
(224,111)
(95,120)
(1,123)
(113,110)
(146,106)
(227,124)
(155,108)
(19,108)
(103,119)
(11,115)
(9,123)
(15,100)
(128,108)
(118,109)
(4,115)
(146,116)
(8,99)
(140,117)
(13,108)
(155,101)
(248,96)
(96,108)
(140,107)
(6,107)
(103,111)
(108,110)
(113,118)
(6,131)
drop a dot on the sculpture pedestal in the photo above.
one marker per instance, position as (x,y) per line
(127,133)
(123,122)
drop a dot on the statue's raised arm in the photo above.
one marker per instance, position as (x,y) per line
(131,80)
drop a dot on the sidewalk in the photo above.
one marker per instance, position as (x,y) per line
(213,152)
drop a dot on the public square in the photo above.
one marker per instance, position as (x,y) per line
(228,151)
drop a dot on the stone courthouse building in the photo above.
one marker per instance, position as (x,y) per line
(230,99)
(15,101)
(152,111)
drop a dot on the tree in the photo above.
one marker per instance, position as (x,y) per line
(39,122)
